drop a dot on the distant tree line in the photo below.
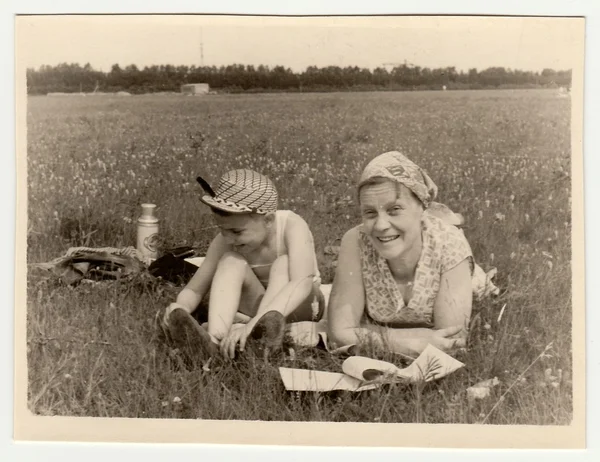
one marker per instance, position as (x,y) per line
(71,78)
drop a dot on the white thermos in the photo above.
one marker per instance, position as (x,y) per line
(147,232)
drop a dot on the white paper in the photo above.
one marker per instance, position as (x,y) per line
(361,373)
(307,333)
(195,261)
(364,368)
(432,364)
(307,380)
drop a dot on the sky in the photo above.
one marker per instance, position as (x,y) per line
(462,42)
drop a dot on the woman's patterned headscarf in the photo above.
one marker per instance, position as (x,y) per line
(397,167)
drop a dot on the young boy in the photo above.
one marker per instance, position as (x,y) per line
(261,268)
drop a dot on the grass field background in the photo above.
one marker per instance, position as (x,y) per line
(501,158)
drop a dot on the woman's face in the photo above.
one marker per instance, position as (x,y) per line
(391,217)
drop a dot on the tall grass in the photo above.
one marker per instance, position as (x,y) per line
(501,158)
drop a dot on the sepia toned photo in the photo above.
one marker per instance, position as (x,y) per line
(300,230)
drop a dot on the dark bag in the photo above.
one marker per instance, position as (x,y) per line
(172,266)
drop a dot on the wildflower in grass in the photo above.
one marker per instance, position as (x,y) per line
(177,400)
(553,380)
(500,216)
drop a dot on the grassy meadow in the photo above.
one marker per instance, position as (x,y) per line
(501,158)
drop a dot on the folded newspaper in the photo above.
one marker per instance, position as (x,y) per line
(361,373)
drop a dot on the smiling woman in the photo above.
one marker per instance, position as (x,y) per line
(404,277)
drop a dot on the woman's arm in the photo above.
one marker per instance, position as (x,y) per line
(347,300)
(455,298)
(347,304)
(452,307)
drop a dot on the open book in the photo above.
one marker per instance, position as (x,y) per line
(361,373)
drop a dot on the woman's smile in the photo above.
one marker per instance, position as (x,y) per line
(386,239)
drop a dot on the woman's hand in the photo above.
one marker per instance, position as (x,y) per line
(442,339)
(237,334)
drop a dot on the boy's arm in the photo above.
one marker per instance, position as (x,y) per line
(191,295)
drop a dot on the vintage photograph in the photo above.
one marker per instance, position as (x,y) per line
(264,220)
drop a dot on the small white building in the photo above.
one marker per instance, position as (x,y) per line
(195,89)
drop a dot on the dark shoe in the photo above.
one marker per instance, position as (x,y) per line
(268,334)
(190,338)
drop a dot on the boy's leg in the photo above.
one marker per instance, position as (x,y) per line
(306,311)
(201,313)
(234,288)
(278,278)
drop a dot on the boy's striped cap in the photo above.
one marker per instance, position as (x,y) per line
(241,191)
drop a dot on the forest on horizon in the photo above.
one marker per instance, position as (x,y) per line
(237,78)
